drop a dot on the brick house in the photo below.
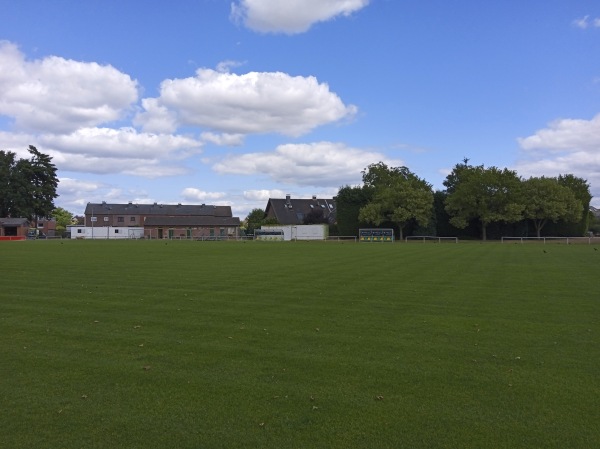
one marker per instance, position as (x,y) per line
(14,227)
(166,220)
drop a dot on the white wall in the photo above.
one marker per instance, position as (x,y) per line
(105,232)
(301,232)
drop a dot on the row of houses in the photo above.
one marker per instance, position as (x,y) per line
(132,220)
(159,220)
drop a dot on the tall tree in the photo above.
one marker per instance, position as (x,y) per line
(487,195)
(547,200)
(7,173)
(399,196)
(581,190)
(27,186)
(254,220)
(43,181)
(349,201)
(63,219)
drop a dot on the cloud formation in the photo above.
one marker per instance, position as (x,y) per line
(566,135)
(320,164)
(195,195)
(585,22)
(565,146)
(263,195)
(290,16)
(256,102)
(58,95)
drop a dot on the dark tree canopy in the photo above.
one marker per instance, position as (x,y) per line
(315,216)
(348,202)
(255,220)
(27,186)
(487,195)
(548,201)
(399,196)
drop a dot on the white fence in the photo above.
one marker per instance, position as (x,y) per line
(544,240)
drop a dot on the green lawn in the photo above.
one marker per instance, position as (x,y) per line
(147,344)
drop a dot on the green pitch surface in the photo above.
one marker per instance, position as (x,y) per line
(147,344)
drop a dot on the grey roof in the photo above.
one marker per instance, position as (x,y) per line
(14,222)
(292,211)
(172,210)
(192,221)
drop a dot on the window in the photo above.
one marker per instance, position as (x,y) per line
(40,224)
(105,218)
(80,231)
(121,219)
(116,231)
(132,219)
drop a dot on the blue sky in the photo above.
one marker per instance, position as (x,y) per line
(232,102)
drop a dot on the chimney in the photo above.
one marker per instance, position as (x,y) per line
(314,197)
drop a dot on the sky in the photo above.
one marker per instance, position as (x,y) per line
(235,102)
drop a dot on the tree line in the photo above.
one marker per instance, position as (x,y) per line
(27,186)
(478,201)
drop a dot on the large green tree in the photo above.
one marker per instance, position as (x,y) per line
(8,175)
(581,190)
(254,220)
(547,200)
(348,202)
(27,186)
(487,195)
(63,219)
(399,196)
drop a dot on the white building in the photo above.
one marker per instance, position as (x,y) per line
(300,232)
(105,232)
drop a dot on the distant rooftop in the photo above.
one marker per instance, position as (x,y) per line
(158,209)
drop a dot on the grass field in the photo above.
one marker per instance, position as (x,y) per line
(147,344)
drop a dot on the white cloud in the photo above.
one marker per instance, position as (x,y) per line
(256,102)
(224,139)
(582,23)
(226,66)
(290,16)
(107,150)
(263,195)
(54,94)
(566,135)
(565,146)
(147,168)
(322,164)
(70,186)
(193,194)
(585,22)
(156,118)
(121,143)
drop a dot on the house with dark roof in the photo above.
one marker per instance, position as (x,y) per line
(14,228)
(298,211)
(166,220)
